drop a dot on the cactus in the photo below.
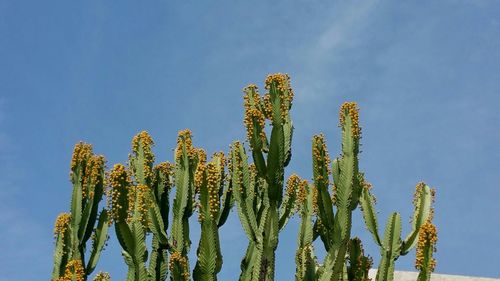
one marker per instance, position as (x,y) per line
(73,230)
(209,183)
(186,160)
(392,246)
(158,265)
(305,259)
(258,190)
(138,199)
(139,205)
(334,228)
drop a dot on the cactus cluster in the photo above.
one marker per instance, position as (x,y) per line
(251,179)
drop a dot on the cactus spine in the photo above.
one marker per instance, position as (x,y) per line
(74,229)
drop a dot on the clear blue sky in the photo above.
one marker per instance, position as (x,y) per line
(426,77)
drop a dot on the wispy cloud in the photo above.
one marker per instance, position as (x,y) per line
(344,26)
(347,21)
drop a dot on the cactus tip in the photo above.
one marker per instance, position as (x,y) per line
(185,136)
(81,153)
(351,109)
(62,223)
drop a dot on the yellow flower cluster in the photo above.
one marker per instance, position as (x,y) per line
(184,137)
(292,184)
(253,114)
(119,180)
(282,83)
(427,238)
(176,257)
(62,223)
(236,168)
(213,182)
(221,156)
(353,111)
(198,176)
(321,158)
(102,276)
(144,142)
(74,271)
(81,153)
(202,155)
(93,172)
(165,168)
(267,106)
(302,192)
(142,201)
(315,202)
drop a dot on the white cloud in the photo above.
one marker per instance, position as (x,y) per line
(343,30)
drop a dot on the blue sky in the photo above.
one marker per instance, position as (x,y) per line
(101,71)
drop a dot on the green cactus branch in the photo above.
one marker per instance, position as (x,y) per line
(73,230)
